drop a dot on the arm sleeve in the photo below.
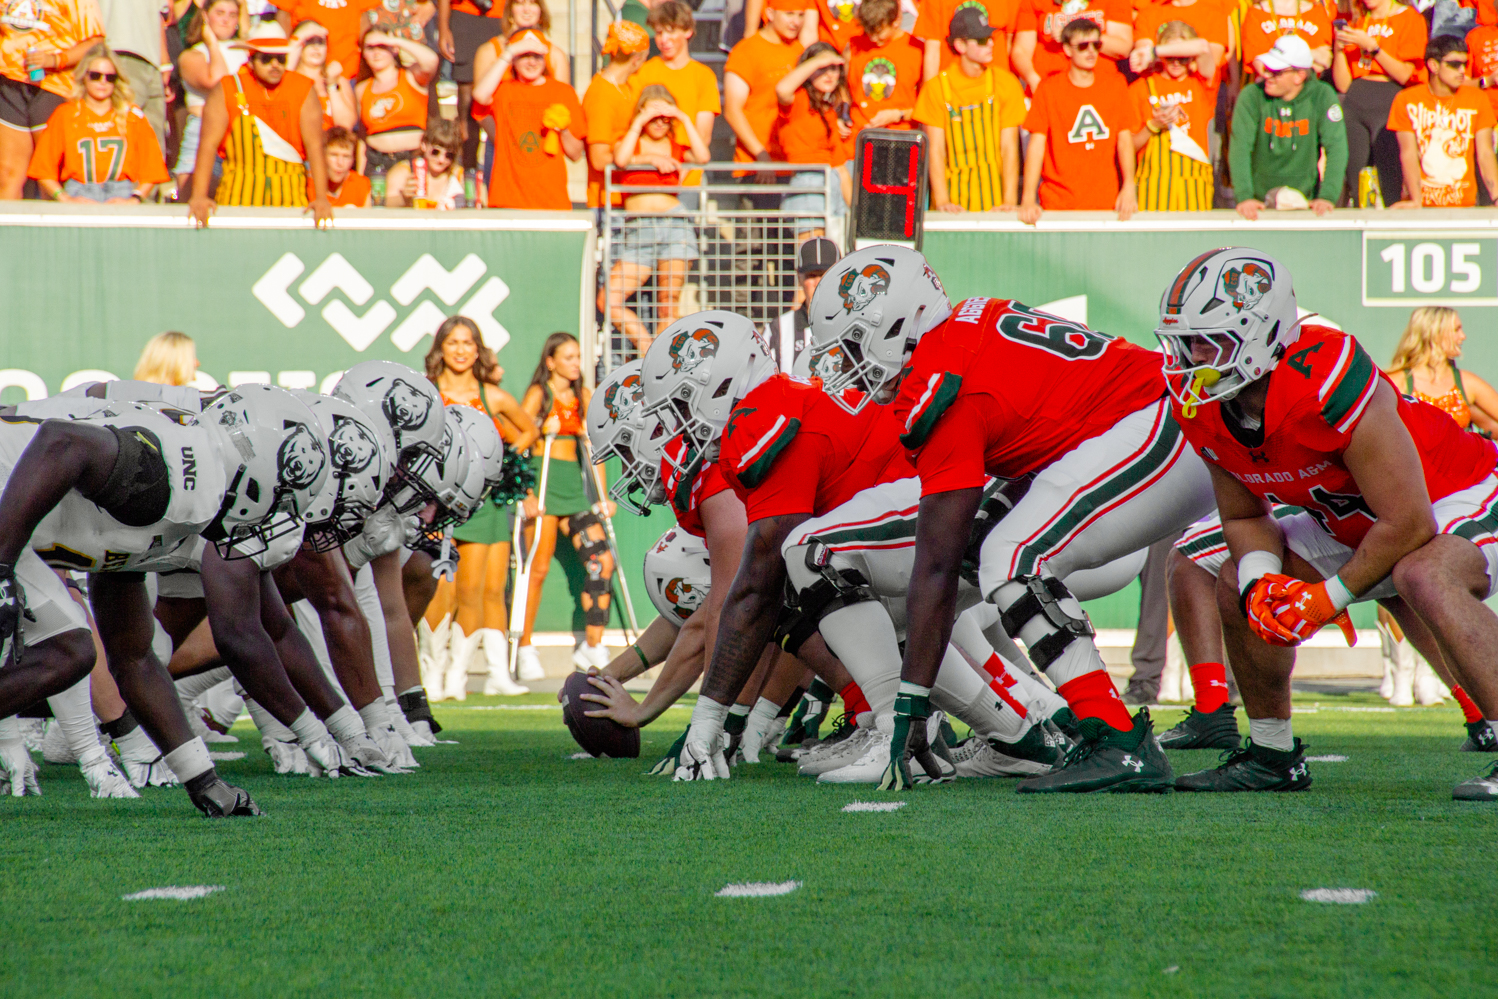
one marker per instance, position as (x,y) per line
(1240,146)
(1333,132)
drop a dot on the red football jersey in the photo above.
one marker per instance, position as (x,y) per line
(788,449)
(1317,395)
(687,496)
(1001,389)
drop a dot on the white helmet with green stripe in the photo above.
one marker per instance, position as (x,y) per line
(1225,321)
(698,369)
(867,315)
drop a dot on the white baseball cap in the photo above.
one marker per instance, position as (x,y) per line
(1289,52)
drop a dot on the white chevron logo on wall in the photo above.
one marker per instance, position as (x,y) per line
(274,290)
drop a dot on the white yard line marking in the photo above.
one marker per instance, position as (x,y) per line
(874,806)
(180,893)
(580,756)
(1333,758)
(757,889)
(226,756)
(1339,896)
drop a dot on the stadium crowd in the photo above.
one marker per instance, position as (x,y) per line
(1028,105)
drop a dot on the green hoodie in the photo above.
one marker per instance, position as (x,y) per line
(1277,143)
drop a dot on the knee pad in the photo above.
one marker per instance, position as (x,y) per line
(834,590)
(139,486)
(998,499)
(1042,599)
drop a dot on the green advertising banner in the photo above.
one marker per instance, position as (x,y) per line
(267,297)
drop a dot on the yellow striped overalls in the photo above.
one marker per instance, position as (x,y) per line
(252,176)
(973,163)
(1167,181)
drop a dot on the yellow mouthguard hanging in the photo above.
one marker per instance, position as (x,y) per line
(1205,378)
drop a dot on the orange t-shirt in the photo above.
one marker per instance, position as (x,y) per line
(80,145)
(1081,126)
(837,21)
(1046,19)
(51,26)
(1208,17)
(525,175)
(695,88)
(469,7)
(351,193)
(341,18)
(808,137)
(1482,57)
(400,107)
(1445,131)
(1402,34)
(1189,93)
(761,64)
(935,23)
(609,109)
(884,76)
(1261,29)
(280,108)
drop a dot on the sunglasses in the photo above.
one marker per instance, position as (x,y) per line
(315,40)
(95,76)
(271,57)
(1459,64)
(439,153)
(1095,45)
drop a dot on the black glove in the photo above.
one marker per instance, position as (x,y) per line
(218,799)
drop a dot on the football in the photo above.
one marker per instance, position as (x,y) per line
(598,736)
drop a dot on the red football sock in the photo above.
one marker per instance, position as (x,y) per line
(995,666)
(1211,683)
(853,700)
(1470,711)
(1000,685)
(1092,695)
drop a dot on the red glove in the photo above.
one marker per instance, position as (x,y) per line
(1286,611)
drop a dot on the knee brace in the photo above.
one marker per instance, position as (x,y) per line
(597,589)
(590,551)
(836,589)
(1042,599)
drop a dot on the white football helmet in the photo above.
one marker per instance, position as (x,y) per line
(697,370)
(447,477)
(275,459)
(411,407)
(484,442)
(677,575)
(361,452)
(619,428)
(1225,321)
(867,315)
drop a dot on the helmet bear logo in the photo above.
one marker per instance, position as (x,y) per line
(351,445)
(404,406)
(300,458)
(859,288)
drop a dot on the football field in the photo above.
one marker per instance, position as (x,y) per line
(507,868)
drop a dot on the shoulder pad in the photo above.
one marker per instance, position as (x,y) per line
(761,427)
(936,397)
(1340,372)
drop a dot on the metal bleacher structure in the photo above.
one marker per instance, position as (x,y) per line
(746,243)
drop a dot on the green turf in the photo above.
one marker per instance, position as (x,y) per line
(504,868)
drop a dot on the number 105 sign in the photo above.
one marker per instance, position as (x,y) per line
(1430,268)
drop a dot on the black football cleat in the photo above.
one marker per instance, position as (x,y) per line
(1253,768)
(1204,730)
(1036,746)
(1105,759)
(1067,721)
(1484,788)
(218,799)
(1480,738)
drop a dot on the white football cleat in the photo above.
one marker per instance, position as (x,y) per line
(699,761)
(104,778)
(528,663)
(757,740)
(33,731)
(401,725)
(222,705)
(868,768)
(974,757)
(424,733)
(367,753)
(143,763)
(825,758)
(285,757)
(55,748)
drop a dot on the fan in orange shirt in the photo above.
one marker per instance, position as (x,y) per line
(1210,21)
(810,131)
(98,146)
(1175,171)
(693,85)
(609,102)
(934,26)
(536,118)
(1482,61)
(346,189)
(1036,52)
(1267,20)
(753,68)
(1081,125)
(884,69)
(1441,125)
